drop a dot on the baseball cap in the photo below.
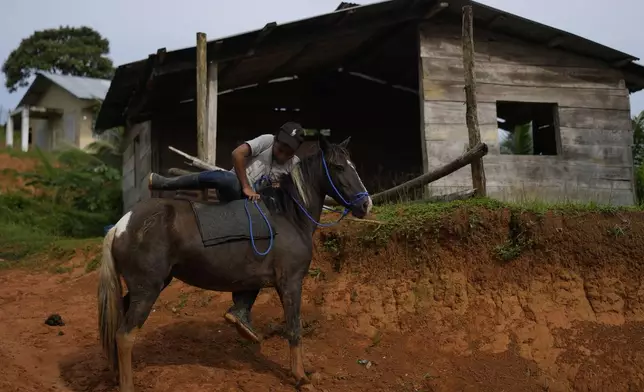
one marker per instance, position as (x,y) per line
(291,134)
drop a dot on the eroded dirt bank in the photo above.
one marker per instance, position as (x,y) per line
(479,301)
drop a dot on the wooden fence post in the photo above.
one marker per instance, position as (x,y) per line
(471,115)
(202,100)
(211,134)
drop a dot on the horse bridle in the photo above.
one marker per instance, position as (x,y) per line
(346,204)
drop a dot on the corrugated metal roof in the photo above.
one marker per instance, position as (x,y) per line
(363,19)
(80,87)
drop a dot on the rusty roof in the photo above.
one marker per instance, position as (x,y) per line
(277,50)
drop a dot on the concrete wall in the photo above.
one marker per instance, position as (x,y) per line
(594,162)
(137,161)
(74,128)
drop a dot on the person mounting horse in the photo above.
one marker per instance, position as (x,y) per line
(264,156)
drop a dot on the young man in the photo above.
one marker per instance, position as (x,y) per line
(266,155)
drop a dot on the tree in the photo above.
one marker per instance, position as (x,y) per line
(110,148)
(638,155)
(638,139)
(519,142)
(78,51)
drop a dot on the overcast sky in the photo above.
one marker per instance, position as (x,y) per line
(136,28)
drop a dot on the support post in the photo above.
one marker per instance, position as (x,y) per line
(202,95)
(211,134)
(202,100)
(24,134)
(471,115)
(9,131)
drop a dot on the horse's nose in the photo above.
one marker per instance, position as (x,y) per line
(367,204)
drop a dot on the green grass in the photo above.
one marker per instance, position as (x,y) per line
(409,213)
(413,219)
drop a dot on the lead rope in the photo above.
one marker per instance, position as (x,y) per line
(346,211)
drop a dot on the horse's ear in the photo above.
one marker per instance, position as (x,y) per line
(345,143)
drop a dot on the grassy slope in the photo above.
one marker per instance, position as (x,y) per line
(33,229)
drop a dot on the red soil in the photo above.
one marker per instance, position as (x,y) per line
(439,312)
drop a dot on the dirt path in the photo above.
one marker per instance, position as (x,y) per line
(566,315)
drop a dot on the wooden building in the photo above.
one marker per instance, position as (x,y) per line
(390,75)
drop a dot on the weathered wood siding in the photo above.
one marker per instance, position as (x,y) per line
(595,163)
(137,160)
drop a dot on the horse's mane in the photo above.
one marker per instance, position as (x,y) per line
(297,184)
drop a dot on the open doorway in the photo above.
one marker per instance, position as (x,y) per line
(372,98)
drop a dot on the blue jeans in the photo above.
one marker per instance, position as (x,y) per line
(225,182)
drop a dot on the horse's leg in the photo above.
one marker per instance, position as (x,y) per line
(126,297)
(141,300)
(239,314)
(290,293)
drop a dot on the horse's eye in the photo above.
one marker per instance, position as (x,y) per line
(338,168)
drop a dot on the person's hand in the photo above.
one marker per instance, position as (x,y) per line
(251,194)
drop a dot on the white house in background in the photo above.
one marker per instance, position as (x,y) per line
(57,111)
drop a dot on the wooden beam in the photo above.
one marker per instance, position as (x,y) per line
(202,96)
(194,161)
(435,9)
(202,101)
(139,98)
(471,116)
(495,19)
(261,36)
(468,157)
(213,88)
(556,41)
(621,63)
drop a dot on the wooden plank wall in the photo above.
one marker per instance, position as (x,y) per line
(595,163)
(137,161)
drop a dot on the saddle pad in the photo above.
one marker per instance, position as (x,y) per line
(221,223)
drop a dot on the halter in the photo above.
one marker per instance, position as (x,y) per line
(347,208)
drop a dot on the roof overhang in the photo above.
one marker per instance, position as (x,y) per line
(277,50)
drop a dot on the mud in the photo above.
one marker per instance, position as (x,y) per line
(481,301)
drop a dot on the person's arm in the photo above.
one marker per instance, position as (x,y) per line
(240,155)
(251,148)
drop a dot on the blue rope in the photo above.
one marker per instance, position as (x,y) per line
(346,211)
(250,225)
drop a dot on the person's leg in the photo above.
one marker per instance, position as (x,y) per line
(187,182)
(239,314)
(224,181)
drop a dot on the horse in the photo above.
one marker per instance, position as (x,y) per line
(159,239)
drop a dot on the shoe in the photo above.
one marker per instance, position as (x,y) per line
(241,321)
(187,182)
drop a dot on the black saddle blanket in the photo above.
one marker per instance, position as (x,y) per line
(221,223)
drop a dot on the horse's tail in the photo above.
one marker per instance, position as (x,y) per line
(110,303)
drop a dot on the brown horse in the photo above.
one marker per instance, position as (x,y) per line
(159,239)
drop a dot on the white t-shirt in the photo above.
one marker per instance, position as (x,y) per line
(261,160)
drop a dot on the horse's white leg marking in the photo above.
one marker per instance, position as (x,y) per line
(121,225)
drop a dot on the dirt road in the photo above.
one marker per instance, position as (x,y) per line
(567,314)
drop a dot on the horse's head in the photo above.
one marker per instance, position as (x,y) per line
(341,180)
